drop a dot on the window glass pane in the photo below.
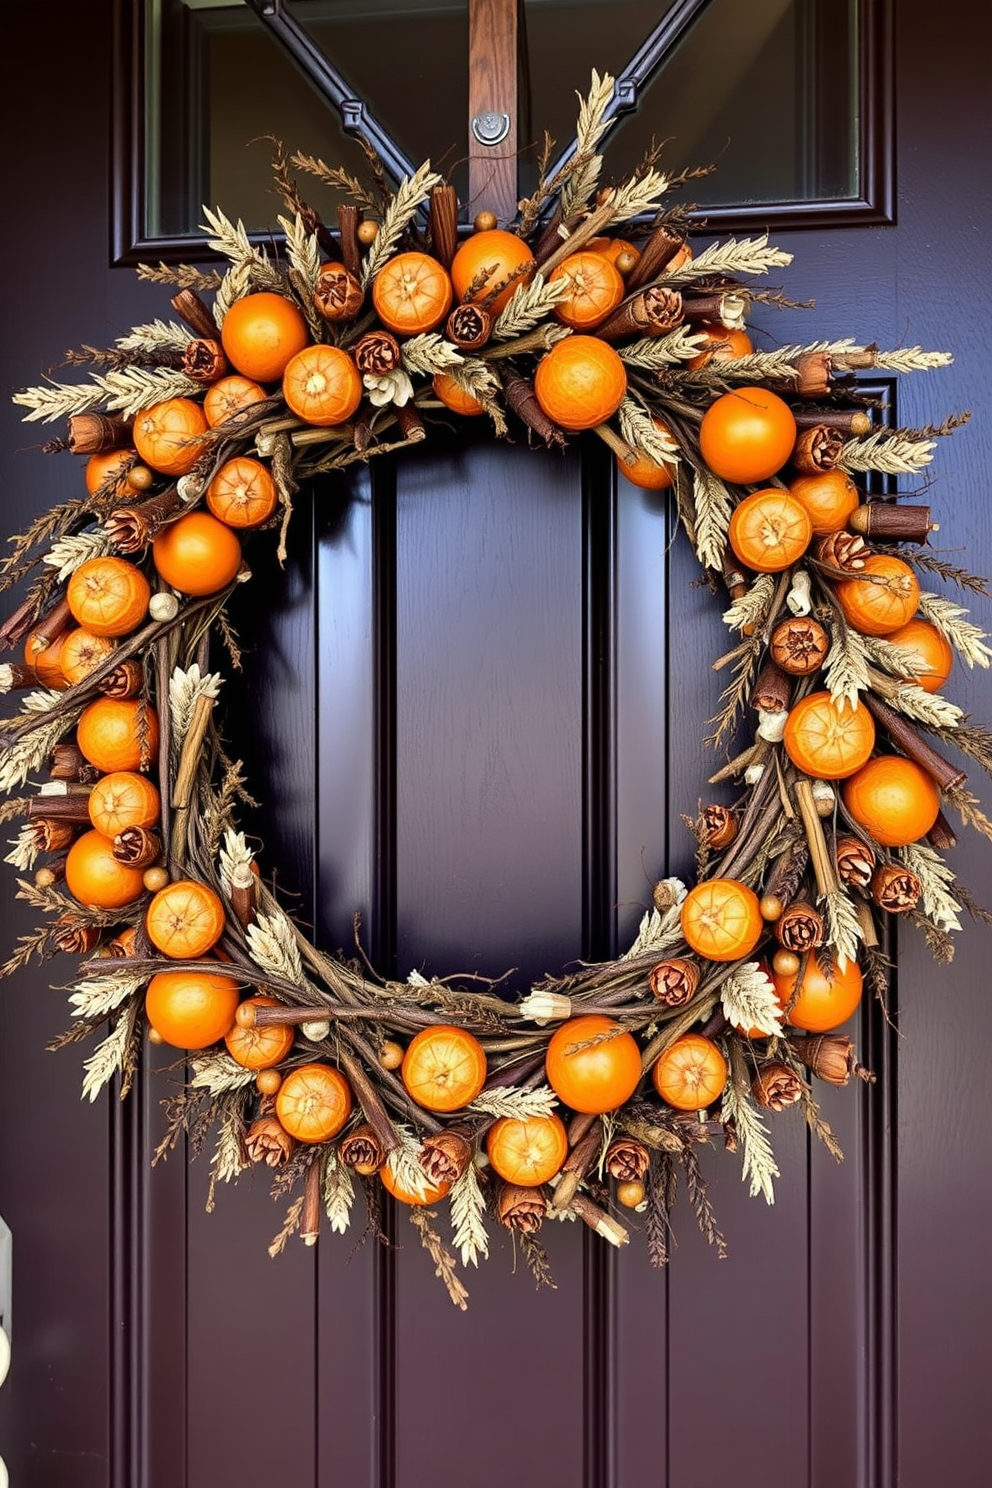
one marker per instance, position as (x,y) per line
(217,83)
(766,90)
(409,63)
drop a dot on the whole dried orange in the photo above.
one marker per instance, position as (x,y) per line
(259,1048)
(242,493)
(82,651)
(593,1064)
(721,919)
(261,332)
(830,498)
(321,385)
(197,554)
(828,740)
(747,435)
(108,596)
(94,876)
(769,530)
(580,382)
(108,469)
(894,799)
(487,259)
(231,396)
(169,435)
(313,1102)
(123,799)
(44,658)
(191,1009)
(882,597)
(922,647)
(691,1074)
(444,1067)
(412,293)
(185,919)
(595,288)
(118,734)
(824,1001)
(455,397)
(527,1150)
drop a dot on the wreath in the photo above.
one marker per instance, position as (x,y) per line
(585,1098)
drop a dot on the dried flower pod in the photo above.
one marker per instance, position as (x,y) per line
(816,450)
(799,646)
(721,826)
(775,1086)
(137,847)
(799,928)
(51,836)
(377,352)
(77,939)
(627,1160)
(267,1141)
(545,1007)
(895,889)
(204,360)
(362,1150)
(337,295)
(66,762)
(674,982)
(829,1056)
(124,945)
(844,550)
(520,1208)
(468,326)
(855,862)
(666,893)
(444,1156)
(124,681)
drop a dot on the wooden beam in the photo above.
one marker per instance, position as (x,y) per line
(492,93)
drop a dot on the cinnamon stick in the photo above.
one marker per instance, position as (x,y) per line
(92,433)
(368,1098)
(520,395)
(444,223)
(660,248)
(310,1217)
(652,312)
(904,735)
(349,217)
(823,864)
(888,522)
(188,304)
(847,420)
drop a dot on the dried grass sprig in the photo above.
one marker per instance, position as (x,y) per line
(759,1168)
(444,1261)
(338,1192)
(966,638)
(591,128)
(515,1103)
(937,880)
(125,391)
(749,1000)
(655,352)
(184,276)
(336,178)
(528,305)
(468,1211)
(713,507)
(730,258)
(889,451)
(410,194)
(430,353)
(156,335)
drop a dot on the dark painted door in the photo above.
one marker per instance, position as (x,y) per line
(473,707)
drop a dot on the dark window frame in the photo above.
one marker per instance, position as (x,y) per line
(874,206)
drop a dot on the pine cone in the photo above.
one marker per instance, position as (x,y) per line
(829,1056)
(895,889)
(445,1156)
(137,847)
(267,1142)
(204,360)
(521,1208)
(77,939)
(775,1086)
(816,450)
(855,862)
(362,1151)
(799,928)
(721,826)
(674,982)
(378,353)
(125,681)
(843,550)
(468,326)
(799,646)
(337,295)
(627,1160)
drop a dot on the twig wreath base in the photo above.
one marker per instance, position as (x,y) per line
(585,1098)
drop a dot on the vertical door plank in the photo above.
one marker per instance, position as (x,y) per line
(489,875)
(492,88)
